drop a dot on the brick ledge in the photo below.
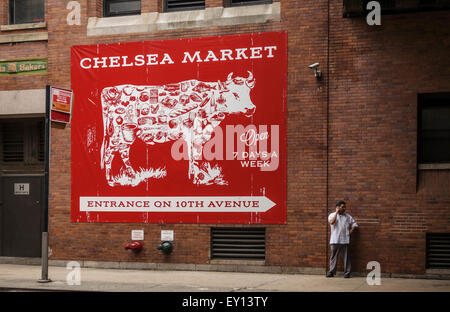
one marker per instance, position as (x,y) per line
(34,36)
(192,267)
(23,26)
(209,17)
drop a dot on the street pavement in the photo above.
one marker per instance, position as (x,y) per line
(15,277)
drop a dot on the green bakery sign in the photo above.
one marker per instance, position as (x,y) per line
(26,66)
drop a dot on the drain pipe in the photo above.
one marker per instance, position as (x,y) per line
(327,134)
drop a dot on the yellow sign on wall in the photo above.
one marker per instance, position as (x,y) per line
(23,66)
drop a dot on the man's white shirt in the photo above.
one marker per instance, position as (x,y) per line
(340,230)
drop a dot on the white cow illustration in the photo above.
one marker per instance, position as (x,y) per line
(187,110)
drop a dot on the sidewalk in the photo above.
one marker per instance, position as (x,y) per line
(24,277)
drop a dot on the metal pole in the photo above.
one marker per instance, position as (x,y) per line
(44,257)
(44,251)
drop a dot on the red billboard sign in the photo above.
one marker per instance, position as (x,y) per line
(180,131)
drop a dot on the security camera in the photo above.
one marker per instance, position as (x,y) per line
(317,73)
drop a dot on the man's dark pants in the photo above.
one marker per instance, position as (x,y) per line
(336,249)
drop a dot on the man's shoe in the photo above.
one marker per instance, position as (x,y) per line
(330,274)
(347,275)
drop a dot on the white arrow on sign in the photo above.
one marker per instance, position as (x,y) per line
(177,204)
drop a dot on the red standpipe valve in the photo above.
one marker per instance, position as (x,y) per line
(134,246)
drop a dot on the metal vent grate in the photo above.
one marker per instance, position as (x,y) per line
(438,250)
(12,142)
(183,5)
(238,243)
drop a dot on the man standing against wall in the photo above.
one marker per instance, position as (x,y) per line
(342,225)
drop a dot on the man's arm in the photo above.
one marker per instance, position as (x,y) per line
(353,225)
(333,218)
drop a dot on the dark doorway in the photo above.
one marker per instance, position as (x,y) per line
(21,186)
(21,213)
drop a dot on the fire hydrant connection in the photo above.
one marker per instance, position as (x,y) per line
(166,247)
(134,246)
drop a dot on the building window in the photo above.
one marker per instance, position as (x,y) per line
(247,2)
(183,5)
(22,141)
(352,8)
(121,7)
(434,128)
(26,11)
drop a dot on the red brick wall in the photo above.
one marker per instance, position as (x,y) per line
(374,76)
(151,6)
(24,81)
(4,18)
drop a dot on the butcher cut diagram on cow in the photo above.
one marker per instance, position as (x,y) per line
(187,110)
